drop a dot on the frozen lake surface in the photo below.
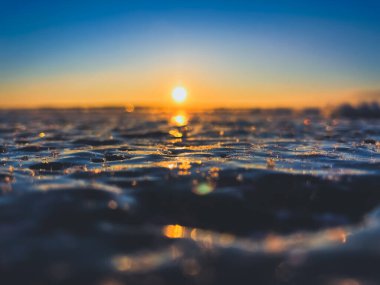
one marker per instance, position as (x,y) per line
(109,197)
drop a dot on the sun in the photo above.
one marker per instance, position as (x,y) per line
(179,94)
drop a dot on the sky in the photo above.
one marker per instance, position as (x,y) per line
(261,53)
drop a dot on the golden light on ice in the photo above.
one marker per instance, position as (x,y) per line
(174,231)
(179,94)
(179,120)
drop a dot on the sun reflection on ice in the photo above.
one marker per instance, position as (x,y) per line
(176,133)
(179,119)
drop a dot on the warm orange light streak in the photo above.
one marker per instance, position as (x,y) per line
(174,231)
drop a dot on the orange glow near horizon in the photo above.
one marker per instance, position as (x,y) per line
(117,89)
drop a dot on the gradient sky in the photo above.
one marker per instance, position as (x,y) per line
(226,53)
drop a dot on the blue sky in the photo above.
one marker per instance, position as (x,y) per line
(247,45)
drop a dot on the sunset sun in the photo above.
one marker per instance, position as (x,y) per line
(179,94)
